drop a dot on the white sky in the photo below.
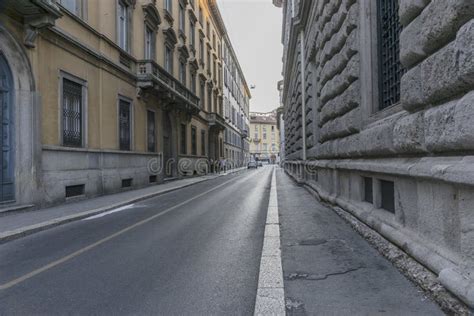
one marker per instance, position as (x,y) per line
(254,28)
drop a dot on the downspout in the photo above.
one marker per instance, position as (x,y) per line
(303,94)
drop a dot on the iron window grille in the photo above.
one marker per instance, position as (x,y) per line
(124,125)
(203,142)
(390,68)
(193,141)
(183,139)
(72,113)
(151,131)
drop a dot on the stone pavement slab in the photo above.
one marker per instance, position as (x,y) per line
(329,269)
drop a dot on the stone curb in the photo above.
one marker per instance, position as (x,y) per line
(35,228)
(270,299)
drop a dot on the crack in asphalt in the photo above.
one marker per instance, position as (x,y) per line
(318,277)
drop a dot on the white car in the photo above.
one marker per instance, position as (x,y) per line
(252,164)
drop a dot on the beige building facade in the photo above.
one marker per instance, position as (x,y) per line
(101,96)
(264,136)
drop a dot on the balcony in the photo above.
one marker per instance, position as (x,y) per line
(152,76)
(245,133)
(215,120)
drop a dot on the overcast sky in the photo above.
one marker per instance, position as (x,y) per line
(254,27)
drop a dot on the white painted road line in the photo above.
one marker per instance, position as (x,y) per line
(270,293)
(115,210)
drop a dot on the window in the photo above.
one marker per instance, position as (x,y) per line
(192,34)
(182,18)
(125,124)
(183,144)
(169,59)
(203,94)
(390,68)
(169,5)
(182,72)
(200,15)
(149,43)
(208,60)
(209,99)
(203,143)
(123,32)
(72,109)
(208,29)
(193,82)
(75,6)
(214,40)
(193,141)
(201,49)
(151,131)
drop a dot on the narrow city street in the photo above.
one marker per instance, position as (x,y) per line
(200,257)
(196,251)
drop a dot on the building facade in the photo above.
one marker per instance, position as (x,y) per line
(378,105)
(102,96)
(236,107)
(264,136)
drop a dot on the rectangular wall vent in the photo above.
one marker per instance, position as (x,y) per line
(153,179)
(368,196)
(74,190)
(126,183)
(387,190)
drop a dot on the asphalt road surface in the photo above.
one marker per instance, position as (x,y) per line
(193,251)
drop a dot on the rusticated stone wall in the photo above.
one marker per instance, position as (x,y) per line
(423,145)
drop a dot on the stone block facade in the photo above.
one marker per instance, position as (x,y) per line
(406,169)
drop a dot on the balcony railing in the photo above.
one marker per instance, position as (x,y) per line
(216,120)
(150,74)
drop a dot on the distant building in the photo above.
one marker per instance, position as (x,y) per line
(236,98)
(264,136)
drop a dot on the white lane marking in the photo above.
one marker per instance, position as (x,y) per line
(271,293)
(115,210)
(106,239)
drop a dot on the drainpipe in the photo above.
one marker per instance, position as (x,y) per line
(303,93)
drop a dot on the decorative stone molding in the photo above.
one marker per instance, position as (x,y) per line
(152,16)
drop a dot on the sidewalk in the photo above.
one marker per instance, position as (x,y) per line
(18,224)
(329,269)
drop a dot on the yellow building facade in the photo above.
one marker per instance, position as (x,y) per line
(104,95)
(264,136)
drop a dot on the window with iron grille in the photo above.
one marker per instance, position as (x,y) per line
(390,69)
(125,125)
(72,113)
(203,142)
(151,131)
(183,139)
(193,140)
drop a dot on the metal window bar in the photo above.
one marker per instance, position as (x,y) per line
(390,68)
(151,131)
(72,113)
(124,125)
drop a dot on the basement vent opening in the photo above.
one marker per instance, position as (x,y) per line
(152,179)
(368,196)
(126,183)
(387,190)
(74,190)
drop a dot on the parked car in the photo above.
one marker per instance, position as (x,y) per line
(260,164)
(252,164)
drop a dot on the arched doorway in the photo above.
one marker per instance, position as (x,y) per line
(168,161)
(7,185)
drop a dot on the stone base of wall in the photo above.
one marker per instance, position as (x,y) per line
(432,218)
(101,172)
